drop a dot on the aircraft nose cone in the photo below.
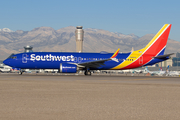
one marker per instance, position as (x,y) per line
(6,62)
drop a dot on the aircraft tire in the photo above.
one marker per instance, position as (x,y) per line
(20,73)
(87,73)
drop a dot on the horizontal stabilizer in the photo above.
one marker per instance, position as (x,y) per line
(163,56)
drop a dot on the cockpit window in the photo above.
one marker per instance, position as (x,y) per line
(12,56)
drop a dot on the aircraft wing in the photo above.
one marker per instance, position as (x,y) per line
(94,64)
(98,63)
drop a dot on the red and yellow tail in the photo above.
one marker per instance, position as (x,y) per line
(155,47)
(158,43)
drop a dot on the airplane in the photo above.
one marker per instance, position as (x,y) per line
(159,73)
(172,73)
(72,62)
(167,72)
(137,71)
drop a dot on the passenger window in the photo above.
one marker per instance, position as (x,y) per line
(75,59)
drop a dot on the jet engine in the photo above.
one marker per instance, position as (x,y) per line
(67,68)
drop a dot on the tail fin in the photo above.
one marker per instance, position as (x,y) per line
(146,69)
(145,56)
(167,69)
(158,44)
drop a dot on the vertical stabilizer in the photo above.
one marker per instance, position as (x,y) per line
(158,44)
(154,48)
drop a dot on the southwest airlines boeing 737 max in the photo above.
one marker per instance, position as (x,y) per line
(71,62)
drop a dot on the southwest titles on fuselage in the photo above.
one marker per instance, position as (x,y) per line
(50,57)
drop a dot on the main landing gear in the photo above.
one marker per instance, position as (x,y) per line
(87,72)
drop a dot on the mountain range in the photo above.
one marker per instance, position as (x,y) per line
(63,40)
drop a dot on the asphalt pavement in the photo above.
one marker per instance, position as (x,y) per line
(96,97)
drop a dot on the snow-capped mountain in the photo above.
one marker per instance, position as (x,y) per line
(6,30)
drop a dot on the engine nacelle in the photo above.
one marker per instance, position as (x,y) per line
(67,68)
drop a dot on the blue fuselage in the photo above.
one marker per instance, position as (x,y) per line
(52,60)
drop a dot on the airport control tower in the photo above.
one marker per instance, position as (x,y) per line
(28,49)
(79,38)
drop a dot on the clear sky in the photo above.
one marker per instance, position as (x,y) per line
(125,16)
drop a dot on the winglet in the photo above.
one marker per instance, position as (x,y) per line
(115,54)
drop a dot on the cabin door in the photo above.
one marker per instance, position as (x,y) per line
(141,60)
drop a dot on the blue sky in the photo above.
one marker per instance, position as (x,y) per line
(125,16)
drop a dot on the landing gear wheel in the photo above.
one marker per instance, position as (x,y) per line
(20,72)
(87,72)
